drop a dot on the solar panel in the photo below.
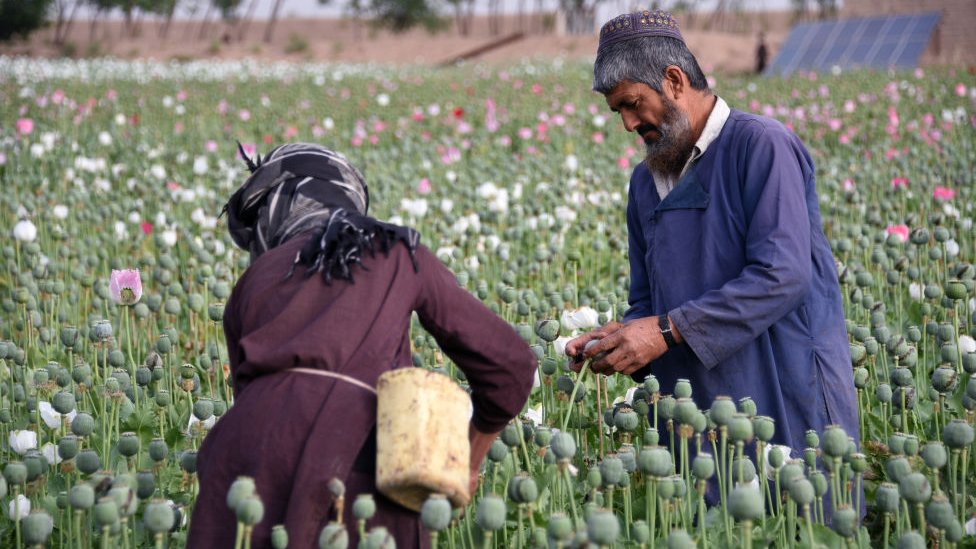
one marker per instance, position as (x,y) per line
(878,42)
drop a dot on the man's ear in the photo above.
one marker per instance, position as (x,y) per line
(675,81)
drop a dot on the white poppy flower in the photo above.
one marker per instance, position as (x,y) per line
(560,345)
(572,163)
(25,230)
(200,165)
(19,508)
(23,440)
(169,237)
(967,344)
(583,318)
(51,453)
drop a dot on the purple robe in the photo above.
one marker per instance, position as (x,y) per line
(293,432)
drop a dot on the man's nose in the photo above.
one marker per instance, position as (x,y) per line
(630,120)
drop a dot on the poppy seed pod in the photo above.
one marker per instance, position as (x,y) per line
(163,398)
(490,515)
(626,419)
(526,491)
(792,470)
(776,458)
(861,377)
(747,406)
(745,503)
(764,427)
(902,377)
(560,527)
(801,491)
(215,312)
(563,445)
(911,540)
(547,329)
(834,441)
(651,385)
(158,517)
(944,379)
(845,522)
(934,455)
(333,536)
(858,353)
(722,410)
(83,424)
(88,461)
(740,428)
(15,473)
(680,539)
(542,436)
(971,386)
(655,461)
(497,451)
(611,470)
(158,449)
(883,393)
(188,461)
(602,527)
(957,434)
(640,532)
(911,445)
(125,498)
(106,511)
(685,410)
(904,397)
(128,445)
(145,484)
(915,488)
(203,409)
(279,537)
(748,470)
(37,528)
(364,507)
(143,376)
(665,407)
(250,510)
(703,466)
(682,388)
(435,514)
(859,462)
(896,467)
(939,512)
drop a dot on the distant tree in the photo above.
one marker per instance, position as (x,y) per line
(64,15)
(463,14)
(20,18)
(403,15)
(580,15)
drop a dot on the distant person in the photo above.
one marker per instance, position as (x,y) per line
(732,282)
(762,54)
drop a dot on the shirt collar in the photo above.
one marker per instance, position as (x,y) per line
(713,126)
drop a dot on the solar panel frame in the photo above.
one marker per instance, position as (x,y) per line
(880,42)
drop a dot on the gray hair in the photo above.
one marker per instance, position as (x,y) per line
(644,59)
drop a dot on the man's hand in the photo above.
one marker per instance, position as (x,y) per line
(628,348)
(480,443)
(574,349)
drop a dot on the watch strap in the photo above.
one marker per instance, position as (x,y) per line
(665,326)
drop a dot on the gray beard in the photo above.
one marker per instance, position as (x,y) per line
(671,151)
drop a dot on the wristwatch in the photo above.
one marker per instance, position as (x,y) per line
(665,326)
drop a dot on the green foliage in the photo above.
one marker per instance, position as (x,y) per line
(403,15)
(19,18)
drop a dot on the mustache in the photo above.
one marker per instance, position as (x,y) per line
(644,128)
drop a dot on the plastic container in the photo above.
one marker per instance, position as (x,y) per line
(422,437)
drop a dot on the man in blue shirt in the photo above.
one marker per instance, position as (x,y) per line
(732,284)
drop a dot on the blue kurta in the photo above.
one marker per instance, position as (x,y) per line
(736,255)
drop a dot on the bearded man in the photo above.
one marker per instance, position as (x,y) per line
(732,283)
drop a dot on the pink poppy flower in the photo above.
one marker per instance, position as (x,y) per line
(901,231)
(147,227)
(597,137)
(623,162)
(943,194)
(897,182)
(24,126)
(961,89)
(424,186)
(125,286)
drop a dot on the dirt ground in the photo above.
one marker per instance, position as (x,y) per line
(729,50)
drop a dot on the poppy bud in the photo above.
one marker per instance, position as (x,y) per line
(602,527)
(593,478)
(333,536)
(435,514)
(776,457)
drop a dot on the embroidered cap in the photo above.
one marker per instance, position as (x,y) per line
(637,24)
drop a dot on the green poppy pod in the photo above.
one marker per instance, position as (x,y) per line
(651,437)
(810,457)
(144,376)
(250,510)
(934,455)
(125,498)
(651,385)
(955,289)
(15,473)
(242,487)
(547,329)
(861,333)
(941,234)
(740,428)
(336,487)
(685,410)
(949,352)
(791,470)
(845,521)
(955,532)
(490,515)
(902,377)
(812,438)
(887,498)
(911,540)
(641,407)
(904,397)
(665,488)
(497,451)
(764,427)
(106,511)
(543,435)
(626,419)
(364,507)
(560,527)
(703,466)
(435,514)
(682,388)
(858,462)
(871,346)
(883,393)
(680,539)
(957,434)
(776,456)
(969,363)
(858,353)
(145,484)
(944,379)
(628,456)
(861,376)
(748,470)
(37,528)
(863,279)
(83,424)
(915,488)
(834,441)
(911,445)
(939,512)
(640,532)
(897,467)
(593,478)
(563,445)
(333,536)
(510,435)
(801,491)
(655,461)
(602,527)
(158,517)
(158,449)
(971,385)
(611,470)
(63,402)
(128,444)
(188,461)
(745,503)
(88,461)
(163,398)
(666,407)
